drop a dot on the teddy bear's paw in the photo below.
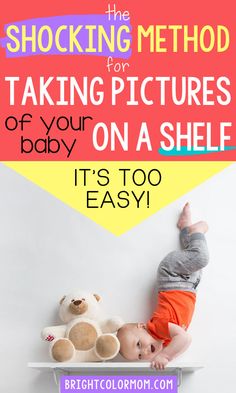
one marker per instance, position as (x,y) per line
(107,346)
(62,350)
(114,324)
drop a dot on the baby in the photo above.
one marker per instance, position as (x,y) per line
(165,336)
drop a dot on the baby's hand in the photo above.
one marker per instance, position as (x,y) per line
(159,362)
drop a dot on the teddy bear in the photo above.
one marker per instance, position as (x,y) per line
(86,334)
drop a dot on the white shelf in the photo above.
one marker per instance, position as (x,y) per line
(116,367)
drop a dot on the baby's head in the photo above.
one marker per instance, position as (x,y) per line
(136,343)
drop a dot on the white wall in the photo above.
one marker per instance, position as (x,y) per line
(47,249)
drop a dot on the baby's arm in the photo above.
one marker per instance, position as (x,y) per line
(179,343)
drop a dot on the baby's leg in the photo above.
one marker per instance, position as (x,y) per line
(192,258)
(182,269)
(194,255)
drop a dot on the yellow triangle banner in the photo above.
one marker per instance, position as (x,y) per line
(117,195)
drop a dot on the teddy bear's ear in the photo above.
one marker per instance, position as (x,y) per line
(62,300)
(97,297)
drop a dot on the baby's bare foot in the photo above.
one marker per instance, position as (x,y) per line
(199,227)
(185,217)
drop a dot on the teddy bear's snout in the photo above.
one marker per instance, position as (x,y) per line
(78,307)
(77,302)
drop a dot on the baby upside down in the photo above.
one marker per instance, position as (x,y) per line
(165,336)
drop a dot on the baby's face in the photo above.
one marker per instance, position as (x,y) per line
(138,344)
